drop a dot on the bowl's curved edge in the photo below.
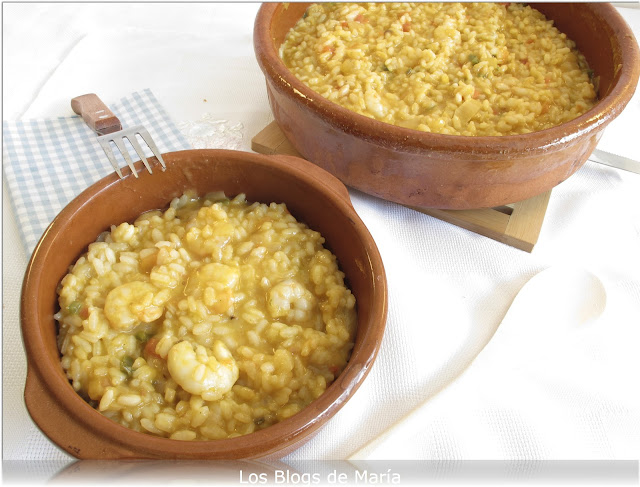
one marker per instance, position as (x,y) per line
(45,389)
(506,169)
(63,429)
(408,140)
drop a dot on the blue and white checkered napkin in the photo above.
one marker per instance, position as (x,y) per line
(48,162)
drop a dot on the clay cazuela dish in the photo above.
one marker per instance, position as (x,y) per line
(312,196)
(439,170)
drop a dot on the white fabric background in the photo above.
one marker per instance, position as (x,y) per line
(448,288)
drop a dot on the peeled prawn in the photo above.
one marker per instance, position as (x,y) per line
(373,101)
(220,276)
(290,299)
(197,372)
(130,304)
(218,282)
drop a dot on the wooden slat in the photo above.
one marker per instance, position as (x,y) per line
(517,224)
(489,222)
(526,221)
(271,140)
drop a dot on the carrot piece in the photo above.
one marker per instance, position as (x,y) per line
(84,313)
(361,18)
(150,347)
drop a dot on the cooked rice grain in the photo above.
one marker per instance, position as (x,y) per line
(236,281)
(473,69)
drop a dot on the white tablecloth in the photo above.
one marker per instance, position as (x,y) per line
(449,288)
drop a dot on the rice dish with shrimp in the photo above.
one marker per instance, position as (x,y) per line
(212,319)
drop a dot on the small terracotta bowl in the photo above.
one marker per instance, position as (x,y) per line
(312,195)
(447,171)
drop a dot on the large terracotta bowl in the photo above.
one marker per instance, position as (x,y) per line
(312,195)
(447,171)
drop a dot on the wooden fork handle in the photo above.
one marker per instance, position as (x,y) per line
(96,114)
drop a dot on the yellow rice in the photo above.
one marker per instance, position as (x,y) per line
(236,302)
(450,68)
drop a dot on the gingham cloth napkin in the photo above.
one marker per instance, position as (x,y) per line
(48,162)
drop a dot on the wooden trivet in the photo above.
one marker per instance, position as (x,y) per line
(517,224)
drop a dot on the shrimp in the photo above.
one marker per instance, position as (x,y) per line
(130,304)
(374,103)
(218,283)
(219,276)
(290,299)
(211,232)
(197,372)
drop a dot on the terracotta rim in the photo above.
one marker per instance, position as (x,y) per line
(411,140)
(272,439)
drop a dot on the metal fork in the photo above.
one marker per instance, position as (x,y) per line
(109,129)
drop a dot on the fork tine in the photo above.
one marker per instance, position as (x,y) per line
(133,140)
(147,138)
(125,153)
(109,129)
(104,143)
